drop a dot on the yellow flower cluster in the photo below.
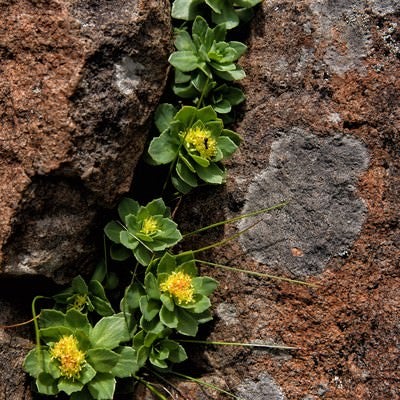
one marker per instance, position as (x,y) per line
(80,301)
(149,226)
(179,285)
(71,359)
(200,140)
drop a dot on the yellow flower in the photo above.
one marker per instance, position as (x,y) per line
(179,285)
(71,359)
(149,226)
(200,139)
(80,301)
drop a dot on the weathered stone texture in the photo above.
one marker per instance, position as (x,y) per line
(326,72)
(78,83)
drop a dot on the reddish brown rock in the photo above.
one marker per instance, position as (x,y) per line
(78,84)
(321,69)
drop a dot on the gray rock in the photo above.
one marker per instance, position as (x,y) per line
(264,388)
(318,177)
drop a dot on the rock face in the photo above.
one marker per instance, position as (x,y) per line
(321,129)
(79,81)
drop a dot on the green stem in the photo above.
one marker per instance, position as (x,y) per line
(268,346)
(257,273)
(200,382)
(222,242)
(151,388)
(36,325)
(229,221)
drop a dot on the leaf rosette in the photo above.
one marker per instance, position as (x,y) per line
(80,359)
(144,230)
(173,298)
(196,142)
(204,57)
(227,12)
(85,297)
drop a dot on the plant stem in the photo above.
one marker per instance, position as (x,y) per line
(222,242)
(280,278)
(268,346)
(151,388)
(200,382)
(231,220)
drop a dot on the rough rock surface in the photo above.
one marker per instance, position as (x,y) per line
(79,81)
(323,70)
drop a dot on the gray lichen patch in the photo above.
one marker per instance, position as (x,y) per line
(127,75)
(318,177)
(261,389)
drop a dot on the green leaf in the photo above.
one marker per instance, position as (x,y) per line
(151,285)
(76,320)
(102,387)
(126,207)
(234,75)
(185,174)
(54,333)
(157,207)
(87,374)
(35,361)
(227,17)
(247,3)
(132,297)
(215,5)
(183,42)
(102,360)
(112,231)
(204,285)
(164,149)
(222,107)
(142,355)
(185,9)
(185,61)
(46,384)
(168,318)
(119,253)
(109,332)
(163,116)
(69,386)
(206,114)
(79,285)
(167,302)
(226,145)
(100,271)
(202,303)
(177,353)
(51,318)
(149,308)
(187,325)
(203,317)
(82,395)
(128,240)
(112,281)
(200,26)
(186,115)
(156,361)
(203,162)
(212,174)
(239,47)
(143,255)
(126,365)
